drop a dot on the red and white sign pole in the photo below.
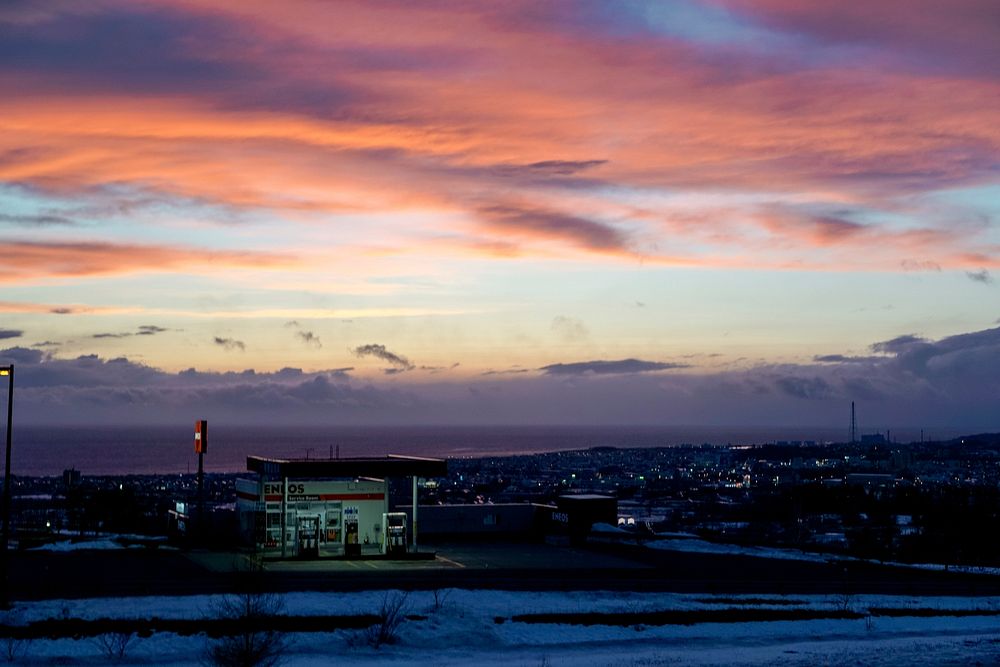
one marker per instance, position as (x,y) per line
(201,447)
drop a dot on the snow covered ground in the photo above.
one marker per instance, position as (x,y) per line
(75,542)
(687,542)
(463,631)
(701,546)
(692,544)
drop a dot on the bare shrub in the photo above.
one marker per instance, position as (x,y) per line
(114,645)
(440,597)
(390,615)
(15,648)
(250,639)
(846,597)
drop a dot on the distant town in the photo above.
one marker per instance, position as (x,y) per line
(917,502)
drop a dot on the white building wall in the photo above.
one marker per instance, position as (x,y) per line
(331,501)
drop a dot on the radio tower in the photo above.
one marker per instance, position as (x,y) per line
(854,425)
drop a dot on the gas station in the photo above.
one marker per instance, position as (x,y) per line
(327,508)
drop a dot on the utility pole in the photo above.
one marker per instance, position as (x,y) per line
(5,594)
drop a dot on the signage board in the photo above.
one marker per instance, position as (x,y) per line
(201,436)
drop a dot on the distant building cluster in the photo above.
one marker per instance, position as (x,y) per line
(919,501)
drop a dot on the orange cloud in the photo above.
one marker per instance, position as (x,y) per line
(27,261)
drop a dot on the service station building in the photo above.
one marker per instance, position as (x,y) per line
(312,508)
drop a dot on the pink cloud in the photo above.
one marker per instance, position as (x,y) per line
(461,110)
(56,309)
(961,37)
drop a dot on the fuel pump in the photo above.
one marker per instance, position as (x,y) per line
(395,533)
(352,546)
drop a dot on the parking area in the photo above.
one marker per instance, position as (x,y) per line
(505,566)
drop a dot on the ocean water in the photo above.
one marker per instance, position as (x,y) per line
(39,450)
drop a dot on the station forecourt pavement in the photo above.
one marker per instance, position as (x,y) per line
(434,558)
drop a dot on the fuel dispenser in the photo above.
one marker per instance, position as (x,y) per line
(395,533)
(352,546)
(308,537)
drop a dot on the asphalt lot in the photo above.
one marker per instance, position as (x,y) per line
(520,566)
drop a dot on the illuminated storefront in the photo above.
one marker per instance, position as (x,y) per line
(328,507)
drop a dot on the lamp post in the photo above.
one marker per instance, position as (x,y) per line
(9,372)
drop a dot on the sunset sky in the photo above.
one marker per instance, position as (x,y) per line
(675,212)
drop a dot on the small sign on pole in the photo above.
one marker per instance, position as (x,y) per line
(201,436)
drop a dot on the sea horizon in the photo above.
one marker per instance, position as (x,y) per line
(40,450)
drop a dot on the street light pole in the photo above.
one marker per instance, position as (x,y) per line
(9,372)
